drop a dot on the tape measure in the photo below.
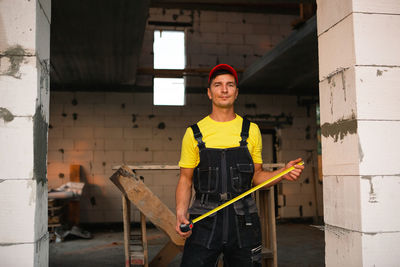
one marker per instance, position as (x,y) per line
(189,226)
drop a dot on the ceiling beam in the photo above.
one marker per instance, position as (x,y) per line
(256,6)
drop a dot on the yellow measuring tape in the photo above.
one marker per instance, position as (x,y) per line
(188,227)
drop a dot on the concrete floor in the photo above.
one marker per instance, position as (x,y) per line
(298,245)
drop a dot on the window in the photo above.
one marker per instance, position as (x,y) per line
(169,53)
(169,91)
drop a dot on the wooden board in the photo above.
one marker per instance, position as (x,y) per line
(74,205)
(144,239)
(148,203)
(265,166)
(265,201)
(166,255)
(75,173)
(126,205)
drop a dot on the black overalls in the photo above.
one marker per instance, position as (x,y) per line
(221,175)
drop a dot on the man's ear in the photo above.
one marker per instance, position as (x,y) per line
(237,92)
(209,93)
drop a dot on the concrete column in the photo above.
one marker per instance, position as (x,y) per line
(359,70)
(24,116)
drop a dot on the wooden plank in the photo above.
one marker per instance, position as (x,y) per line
(150,167)
(74,205)
(272,226)
(137,258)
(258,6)
(127,228)
(53,219)
(147,202)
(265,199)
(74,212)
(165,255)
(177,73)
(75,173)
(266,166)
(54,209)
(264,224)
(267,253)
(144,239)
(54,225)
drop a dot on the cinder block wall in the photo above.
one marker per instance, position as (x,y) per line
(233,38)
(99,130)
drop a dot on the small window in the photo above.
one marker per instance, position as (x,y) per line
(169,91)
(169,53)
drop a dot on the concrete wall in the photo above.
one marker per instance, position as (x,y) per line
(359,78)
(99,130)
(24,116)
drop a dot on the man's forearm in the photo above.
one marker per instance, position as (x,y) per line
(182,199)
(261,176)
(183,195)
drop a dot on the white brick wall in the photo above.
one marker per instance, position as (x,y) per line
(360,117)
(24,98)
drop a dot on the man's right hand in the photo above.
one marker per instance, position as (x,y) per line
(181,219)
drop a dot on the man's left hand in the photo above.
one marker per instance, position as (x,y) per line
(294,174)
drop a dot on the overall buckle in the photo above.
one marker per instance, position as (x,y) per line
(225,196)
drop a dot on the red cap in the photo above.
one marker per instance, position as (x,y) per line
(223,67)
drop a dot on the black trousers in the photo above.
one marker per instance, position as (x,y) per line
(224,234)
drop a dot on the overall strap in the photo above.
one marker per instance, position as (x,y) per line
(245,132)
(198,136)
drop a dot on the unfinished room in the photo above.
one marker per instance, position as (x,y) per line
(199,133)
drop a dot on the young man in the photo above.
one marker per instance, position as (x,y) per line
(221,157)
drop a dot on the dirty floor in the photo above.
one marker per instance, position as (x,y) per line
(299,244)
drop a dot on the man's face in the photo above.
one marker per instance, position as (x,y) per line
(223,91)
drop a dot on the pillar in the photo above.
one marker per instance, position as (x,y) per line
(24,116)
(359,73)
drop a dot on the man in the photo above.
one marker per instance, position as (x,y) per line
(221,157)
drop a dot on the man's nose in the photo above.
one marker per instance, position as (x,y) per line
(225,88)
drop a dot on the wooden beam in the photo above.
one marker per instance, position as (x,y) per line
(255,6)
(144,239)
(148,203)
(177,73)
(266,166)
(126,208)
(74,205)
(75,173)
(149,167)
(266,205)
(165,255)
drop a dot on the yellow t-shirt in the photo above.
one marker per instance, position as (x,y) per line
(219,135)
